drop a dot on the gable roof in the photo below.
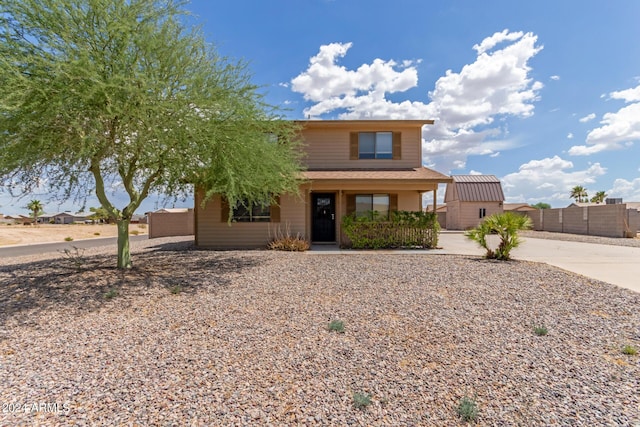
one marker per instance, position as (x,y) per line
(474,188)
(518,207)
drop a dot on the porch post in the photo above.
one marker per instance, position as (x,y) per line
(435,198)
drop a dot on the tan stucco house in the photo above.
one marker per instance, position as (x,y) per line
(471,198)
(351,166)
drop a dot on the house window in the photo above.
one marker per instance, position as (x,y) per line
(367,204)
(482,213)
(246,212)
(375,145)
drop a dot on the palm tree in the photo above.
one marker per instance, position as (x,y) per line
(579,193)
(599,197)
(506,226)
(35,206)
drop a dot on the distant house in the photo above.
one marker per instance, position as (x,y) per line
(518,207)
(441,212)
(20,219)
(64,218)
(470,198)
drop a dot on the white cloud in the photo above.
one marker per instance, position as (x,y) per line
(587,118)
(628,95)
(628,190)
(619,129)
(570,135)
(464,104)
(555,78)
(548,180)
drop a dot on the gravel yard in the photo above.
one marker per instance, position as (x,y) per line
(193,337)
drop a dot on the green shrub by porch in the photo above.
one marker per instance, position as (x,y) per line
(403,229)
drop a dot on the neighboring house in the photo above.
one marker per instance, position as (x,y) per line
(352,166)
(518,207)
(64,218)
(20,219)
(471,198)
(170,222)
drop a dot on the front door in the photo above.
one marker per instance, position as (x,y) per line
(323,217)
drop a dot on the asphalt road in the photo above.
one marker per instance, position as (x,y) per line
(40,248)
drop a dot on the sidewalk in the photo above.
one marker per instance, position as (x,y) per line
(618,265)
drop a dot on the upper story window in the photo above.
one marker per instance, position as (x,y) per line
(375,145)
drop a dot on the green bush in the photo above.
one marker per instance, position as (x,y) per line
(506,226)
(336,326)
(468,409)
(403,229)
(361,400)
(629,350)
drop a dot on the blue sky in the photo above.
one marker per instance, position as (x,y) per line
(545,95)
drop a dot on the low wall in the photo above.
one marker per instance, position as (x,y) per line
(602,220)
(166,224)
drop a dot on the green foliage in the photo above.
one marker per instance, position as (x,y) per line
(403,229)
(467,409)
(35,206)
(579,193)
(94,92)
(100,214)
(112,293)
(68,239)
(175,290)
(506,226)
(629,350)
(599,197)
(540,330)
(542,205)
(336,326)
(361,400)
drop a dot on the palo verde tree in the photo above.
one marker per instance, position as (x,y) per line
(104,94)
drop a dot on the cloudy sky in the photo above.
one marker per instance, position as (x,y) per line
(545,95)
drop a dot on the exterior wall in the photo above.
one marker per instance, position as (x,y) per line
(607,220)
(213,232)
(442,219)
(329,148)
(164,224)
(464,215)
(575,220)
(602,220)
(453,215)
(633,220)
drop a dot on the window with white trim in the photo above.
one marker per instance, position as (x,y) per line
(247,212)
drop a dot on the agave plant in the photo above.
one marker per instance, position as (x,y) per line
(506,226)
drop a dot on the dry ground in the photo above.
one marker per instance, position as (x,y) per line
(17,234)
(205,338)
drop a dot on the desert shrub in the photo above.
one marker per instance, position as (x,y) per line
(629,350)
(540,330)
(361,400)
(134,232)
(336,326)
(467,409)
(403,229)
(68,239)
(283,240)
(506,226)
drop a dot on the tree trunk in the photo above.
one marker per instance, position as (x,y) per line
(124,254)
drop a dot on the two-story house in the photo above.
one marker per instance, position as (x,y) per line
(352,166)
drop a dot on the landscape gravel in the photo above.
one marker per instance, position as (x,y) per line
(197,338)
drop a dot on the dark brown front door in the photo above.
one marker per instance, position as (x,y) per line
(323,217)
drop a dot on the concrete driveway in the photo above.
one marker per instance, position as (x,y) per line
(618,265)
